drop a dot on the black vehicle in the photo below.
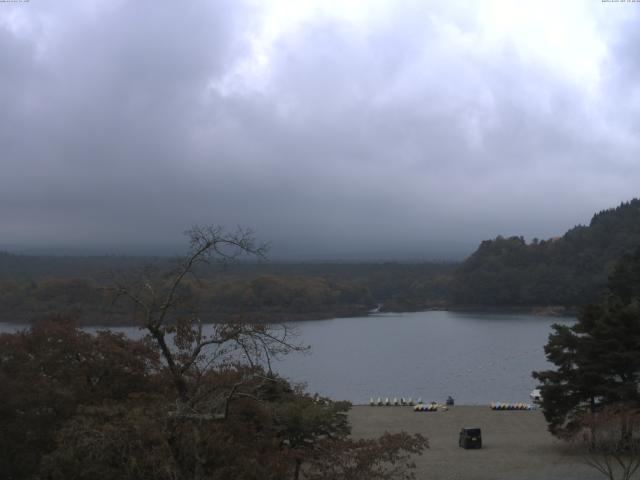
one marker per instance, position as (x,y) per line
(470,438)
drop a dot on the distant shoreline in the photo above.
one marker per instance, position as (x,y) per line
(274,318)
(537,310)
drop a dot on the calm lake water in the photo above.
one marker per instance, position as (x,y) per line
(475,357)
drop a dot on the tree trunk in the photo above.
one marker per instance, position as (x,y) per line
(592,443)
(296,473)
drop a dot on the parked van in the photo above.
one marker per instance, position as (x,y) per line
(470,438)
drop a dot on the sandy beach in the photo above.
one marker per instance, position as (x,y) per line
(516,444)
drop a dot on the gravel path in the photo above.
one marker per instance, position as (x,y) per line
(516,444)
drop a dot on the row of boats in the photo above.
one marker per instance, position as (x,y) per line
(512,406)
(431,407)
(394,402)
(407,402)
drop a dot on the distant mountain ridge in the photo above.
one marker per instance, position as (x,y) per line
(571,270)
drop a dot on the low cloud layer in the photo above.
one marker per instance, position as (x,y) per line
(386,129)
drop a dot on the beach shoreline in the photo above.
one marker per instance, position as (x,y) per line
(516,443)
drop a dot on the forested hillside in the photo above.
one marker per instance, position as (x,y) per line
(32,287)
(571,270)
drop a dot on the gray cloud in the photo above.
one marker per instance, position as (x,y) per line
(411,133)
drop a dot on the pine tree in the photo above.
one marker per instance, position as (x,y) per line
(598,358)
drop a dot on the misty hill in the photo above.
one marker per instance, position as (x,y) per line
(17,267)
(570,270)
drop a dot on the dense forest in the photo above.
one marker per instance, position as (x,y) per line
(567,271)
(571,270)
(31,287)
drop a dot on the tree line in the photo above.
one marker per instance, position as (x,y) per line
(568,271)
(253,291)
(262,299)
(571,270)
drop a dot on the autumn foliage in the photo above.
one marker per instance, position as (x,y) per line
(188,401)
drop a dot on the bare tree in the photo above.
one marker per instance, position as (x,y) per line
(611,437)
(188,348)
(214,409)
(197,356)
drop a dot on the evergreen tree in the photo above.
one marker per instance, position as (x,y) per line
(598,358)
(570,270)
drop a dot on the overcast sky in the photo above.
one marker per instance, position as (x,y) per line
(334,129)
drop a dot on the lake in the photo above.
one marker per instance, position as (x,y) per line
(474,357)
